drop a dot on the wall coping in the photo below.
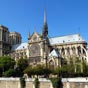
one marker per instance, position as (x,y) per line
(28,79)
(9,79)
(79,79)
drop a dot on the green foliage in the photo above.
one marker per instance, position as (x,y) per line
(63,61)
(72,67)
(10,73)
(36,83)
(56,82)
(6,63)
(55,71)
(22,82)
(19,72)
(38,70)
(29,71)
(22,64)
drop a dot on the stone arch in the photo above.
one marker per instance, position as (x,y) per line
(68,50)
(85,55)
(51,64)
(62,51)
(79,50)
(73,50)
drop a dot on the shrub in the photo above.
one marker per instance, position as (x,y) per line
(9,73)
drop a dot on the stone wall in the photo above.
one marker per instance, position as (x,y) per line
(9,83)
(44,83)
(75,82)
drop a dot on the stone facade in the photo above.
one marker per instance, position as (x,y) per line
(15,38)
(4,41)
(44,83)
(7,39)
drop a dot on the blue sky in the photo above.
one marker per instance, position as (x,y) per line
(64,17)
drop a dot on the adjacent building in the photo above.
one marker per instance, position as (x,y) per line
(15,38)
(7,40)
(4,41)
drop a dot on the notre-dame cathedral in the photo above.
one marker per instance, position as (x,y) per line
(40,49)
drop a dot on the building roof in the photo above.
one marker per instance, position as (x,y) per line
(54,53)
(66,39)
(19,46)
(55,40)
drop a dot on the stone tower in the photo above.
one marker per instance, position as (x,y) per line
(4,41)
(15,38)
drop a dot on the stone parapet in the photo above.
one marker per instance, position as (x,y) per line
(44,83)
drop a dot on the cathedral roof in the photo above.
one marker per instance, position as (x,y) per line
(54,53)
(20,46)
(66,39)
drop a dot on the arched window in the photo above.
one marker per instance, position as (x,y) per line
(79,50)
(68,51)
(62,51)
(73,50)
(84,52)
(51,64)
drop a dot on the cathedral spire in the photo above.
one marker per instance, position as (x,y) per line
(45,16)
(45,26)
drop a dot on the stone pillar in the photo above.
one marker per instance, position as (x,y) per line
(71,51)
(19,86)
(81,50)
(76,50)
(86,86)
(33,85)
(67,85)
(65,51)
(6,83)
(51,86)
(60,51)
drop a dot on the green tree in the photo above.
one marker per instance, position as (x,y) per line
(6,63)
(22,64)
(29,71)
(37,70)
(10,73)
